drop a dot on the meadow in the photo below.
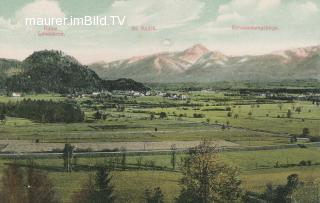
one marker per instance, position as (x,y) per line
(257,169)
(221,116)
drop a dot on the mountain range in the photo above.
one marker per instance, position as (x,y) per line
(54,71)
(199,64)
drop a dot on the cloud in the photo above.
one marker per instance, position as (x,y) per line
(164,14)
(184,22)
(35,9)
(230,17)
(309,7)
(238,10)
(265,5)
(271,12)
(40,8)
(6,24)
(296,21)
(304,12)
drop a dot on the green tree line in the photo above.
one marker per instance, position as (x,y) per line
(43,111)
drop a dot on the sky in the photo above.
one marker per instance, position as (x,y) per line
(175,25)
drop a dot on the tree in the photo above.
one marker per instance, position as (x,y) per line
(292,183)
(163,115)
(97,115)
(34,188)
(123,158)
(207,179)
(97,189)
(289,113)
(44,111)
(67,157)
(293,139)
(104,117)
(87,193)
(223,127)
(309,193)
(2,118)
(173,156)
(139,161)
(305,132)
(13,190)
(104,189)
(282,193)
(120,108)
(39,187)
(269,193)
(299,109)
(154,196)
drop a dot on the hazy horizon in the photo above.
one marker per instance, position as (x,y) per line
(148,54)
(152,27)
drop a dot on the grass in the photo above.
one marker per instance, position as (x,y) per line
(261,128)
(130,185)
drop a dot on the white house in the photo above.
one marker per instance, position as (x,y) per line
(183,97)
(95,94)
(16,94)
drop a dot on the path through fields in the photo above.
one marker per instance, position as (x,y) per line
(21,146)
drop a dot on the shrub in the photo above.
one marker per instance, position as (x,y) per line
(305,132)
(198,115)
(302,163)
(163,115)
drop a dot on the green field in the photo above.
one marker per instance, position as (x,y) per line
(257,169)
(243,121)
(260,128)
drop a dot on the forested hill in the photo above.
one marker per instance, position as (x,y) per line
(8,67)
(53,71)
(124,84)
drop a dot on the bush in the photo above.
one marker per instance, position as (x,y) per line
(314,139)
(163,115)
(302,146)
(198,115)
(289,113)
(223,127)
(302,163)
(305,132)
(154,196)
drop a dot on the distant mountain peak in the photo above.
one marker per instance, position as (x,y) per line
(194,53)
(198,64)
(297,54)
(198,48)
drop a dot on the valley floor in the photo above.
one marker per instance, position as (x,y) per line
(257,129)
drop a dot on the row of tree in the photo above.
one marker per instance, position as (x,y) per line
(26,186)
(43,111)
(206,179)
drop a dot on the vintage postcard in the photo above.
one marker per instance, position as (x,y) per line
(171,101)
